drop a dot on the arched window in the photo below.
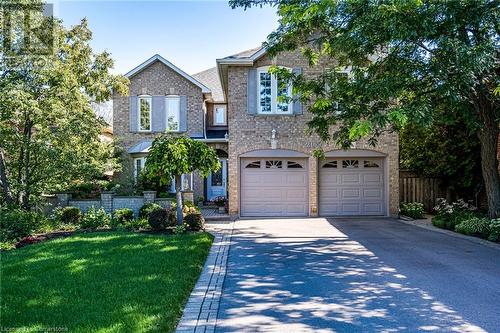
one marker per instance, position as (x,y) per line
(253,165)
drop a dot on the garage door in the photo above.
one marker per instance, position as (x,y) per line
(351,186)
(274,187)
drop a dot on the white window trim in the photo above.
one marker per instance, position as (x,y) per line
(178,98)
(215,123)
(139,112)
(143,163)
(274,93)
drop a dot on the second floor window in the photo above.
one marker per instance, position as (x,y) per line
(220,115)
(144,113)
(270,89)
(173,113)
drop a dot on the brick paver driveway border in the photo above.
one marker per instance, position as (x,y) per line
(200,313)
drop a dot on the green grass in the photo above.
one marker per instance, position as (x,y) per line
(101,282)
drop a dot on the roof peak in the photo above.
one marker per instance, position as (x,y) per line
(167,63)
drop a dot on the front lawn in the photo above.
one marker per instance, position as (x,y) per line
(102,281)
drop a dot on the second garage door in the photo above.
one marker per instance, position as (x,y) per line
(351,186)
(274,187)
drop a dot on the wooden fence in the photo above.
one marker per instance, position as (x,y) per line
(414,188)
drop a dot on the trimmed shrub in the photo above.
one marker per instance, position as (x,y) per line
(136,224)
(122,216)
(147,209)
(161,219)
(494,231)
(414,210)
(194,222)
(69,215)
(475,226)
(17,223)
(95,218)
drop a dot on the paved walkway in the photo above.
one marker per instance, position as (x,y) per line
(200,313)
(353,275)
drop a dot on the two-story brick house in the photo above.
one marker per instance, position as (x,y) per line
(268,167)
(163,98)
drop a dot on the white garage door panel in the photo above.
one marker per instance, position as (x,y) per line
(357,189)
(274,191)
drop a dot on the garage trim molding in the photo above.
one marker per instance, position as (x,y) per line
(354,153)
(278,153)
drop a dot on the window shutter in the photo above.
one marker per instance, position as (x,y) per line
(133,113)
(158,118)
(252,91)
(297,104)
(183,114)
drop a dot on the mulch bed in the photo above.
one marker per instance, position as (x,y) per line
(42,237)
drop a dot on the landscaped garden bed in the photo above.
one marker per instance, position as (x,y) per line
(465,218)
(115,281)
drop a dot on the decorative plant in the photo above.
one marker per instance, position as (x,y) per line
(414,210)
(95,218)
(220,201)
(171,156)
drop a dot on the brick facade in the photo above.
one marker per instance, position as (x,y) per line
(250,132)
(157,79)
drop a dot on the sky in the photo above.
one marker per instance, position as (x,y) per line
(190,34)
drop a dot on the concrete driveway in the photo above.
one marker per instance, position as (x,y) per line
(352,275)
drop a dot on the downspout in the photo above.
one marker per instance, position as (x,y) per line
(205,118)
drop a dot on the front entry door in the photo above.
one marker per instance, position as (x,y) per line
(216,182)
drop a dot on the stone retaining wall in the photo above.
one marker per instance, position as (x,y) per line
(110,202)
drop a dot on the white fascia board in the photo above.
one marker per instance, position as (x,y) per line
(213,140)
(167,63)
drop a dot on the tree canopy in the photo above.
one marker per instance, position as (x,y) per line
(49,134)
(404,59)
(172,156)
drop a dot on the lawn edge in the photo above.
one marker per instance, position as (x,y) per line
(452,233)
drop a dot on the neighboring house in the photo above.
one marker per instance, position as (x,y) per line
(268,155)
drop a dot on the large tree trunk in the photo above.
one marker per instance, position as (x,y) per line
(4,181)
(178,195)
(488,137)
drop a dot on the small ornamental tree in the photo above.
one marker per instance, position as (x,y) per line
(174,156)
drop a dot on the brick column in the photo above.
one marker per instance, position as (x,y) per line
(149,196)
(313,186)
(107,201)
(188,196)
(63,199)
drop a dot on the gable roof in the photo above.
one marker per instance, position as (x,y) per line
(167,63)
(245,58)
(210,78)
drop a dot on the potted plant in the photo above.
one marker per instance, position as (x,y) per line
(200,201)
(221,203)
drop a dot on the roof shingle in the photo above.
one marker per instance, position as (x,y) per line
(210,78)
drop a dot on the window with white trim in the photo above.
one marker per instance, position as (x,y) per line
(139,164)
(144,110)
(173,108)
(270,89)
(220,115)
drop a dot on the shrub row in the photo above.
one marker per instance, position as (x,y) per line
(16,224)
(464,218)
